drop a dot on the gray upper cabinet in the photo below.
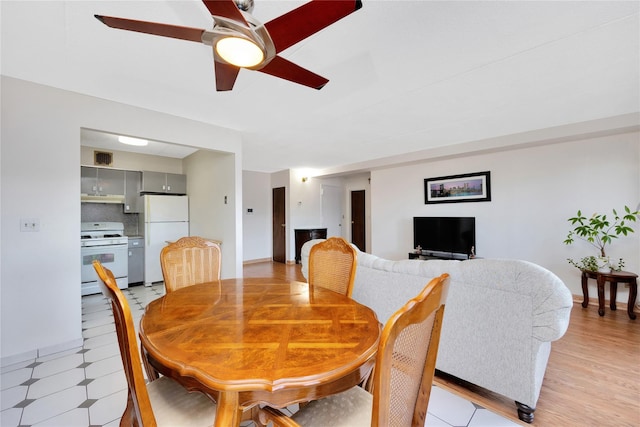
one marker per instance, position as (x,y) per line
(101,181)
(163,183)
(132,185)
(176,183)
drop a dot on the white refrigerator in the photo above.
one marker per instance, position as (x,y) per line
(165,219)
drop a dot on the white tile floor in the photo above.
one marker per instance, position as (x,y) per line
(86,386)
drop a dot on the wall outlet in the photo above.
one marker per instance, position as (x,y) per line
(29,224)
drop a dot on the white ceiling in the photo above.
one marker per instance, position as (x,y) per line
(405,76)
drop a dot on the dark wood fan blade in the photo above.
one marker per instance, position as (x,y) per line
(280,67)
(288,29)
(226,9)
(165,30)
(225,75)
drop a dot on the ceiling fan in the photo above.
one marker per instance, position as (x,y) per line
(240,41)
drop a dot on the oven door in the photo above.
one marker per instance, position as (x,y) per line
(113,257)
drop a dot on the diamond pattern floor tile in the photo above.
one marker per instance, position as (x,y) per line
(100,340)
(13,396)
(14,378)
(103,352)
(53,405)
(55,383)
(10,417)
(106,385)
(104,367)
(58,365)
(73,418)
(109,408)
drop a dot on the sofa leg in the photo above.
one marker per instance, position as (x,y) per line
(525,413)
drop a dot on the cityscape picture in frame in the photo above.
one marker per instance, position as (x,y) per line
(468,187)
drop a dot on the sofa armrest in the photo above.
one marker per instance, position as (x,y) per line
(304,255)
(551,300)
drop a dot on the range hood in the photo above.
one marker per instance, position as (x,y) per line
(107,198)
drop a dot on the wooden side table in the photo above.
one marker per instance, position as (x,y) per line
(613,277)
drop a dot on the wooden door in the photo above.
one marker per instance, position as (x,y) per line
(358,230)
(279,225)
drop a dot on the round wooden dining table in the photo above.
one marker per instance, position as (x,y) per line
(260,340)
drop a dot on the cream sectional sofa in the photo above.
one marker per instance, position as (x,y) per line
(500,317)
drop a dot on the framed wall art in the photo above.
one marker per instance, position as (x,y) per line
(468,187)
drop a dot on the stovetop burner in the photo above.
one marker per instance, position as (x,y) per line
(102,234)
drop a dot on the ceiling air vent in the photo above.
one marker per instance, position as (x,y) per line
(102,158)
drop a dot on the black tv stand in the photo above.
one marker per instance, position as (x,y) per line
(428,256)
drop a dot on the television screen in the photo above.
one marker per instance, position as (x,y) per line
(450,235)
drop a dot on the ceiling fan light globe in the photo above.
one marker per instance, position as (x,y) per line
(239,51)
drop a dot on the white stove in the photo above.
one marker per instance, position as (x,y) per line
(106,242)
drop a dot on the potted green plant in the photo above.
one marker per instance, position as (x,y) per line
(599,231)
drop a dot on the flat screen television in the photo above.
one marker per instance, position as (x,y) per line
(445,236)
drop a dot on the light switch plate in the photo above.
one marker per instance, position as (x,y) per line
(29,224)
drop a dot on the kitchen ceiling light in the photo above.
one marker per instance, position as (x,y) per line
(133,141)
(240,52)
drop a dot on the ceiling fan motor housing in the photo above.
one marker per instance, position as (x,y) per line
(244,5)
(256,33)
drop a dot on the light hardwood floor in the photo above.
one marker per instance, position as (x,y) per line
(593,374)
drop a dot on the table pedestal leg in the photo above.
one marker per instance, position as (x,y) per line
(600,296)
(585,290)
(228,413)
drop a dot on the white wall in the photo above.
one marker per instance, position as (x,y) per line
(40,307)
(257,238)
(303,209)
(534,191)
(212,203)
(305,199)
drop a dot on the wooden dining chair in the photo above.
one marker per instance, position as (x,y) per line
(332,265)
(402,378)
(189,261)
(162,402)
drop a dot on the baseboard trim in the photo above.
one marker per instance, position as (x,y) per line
(45,351)
(259,260)
(621,305)
(256,261)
